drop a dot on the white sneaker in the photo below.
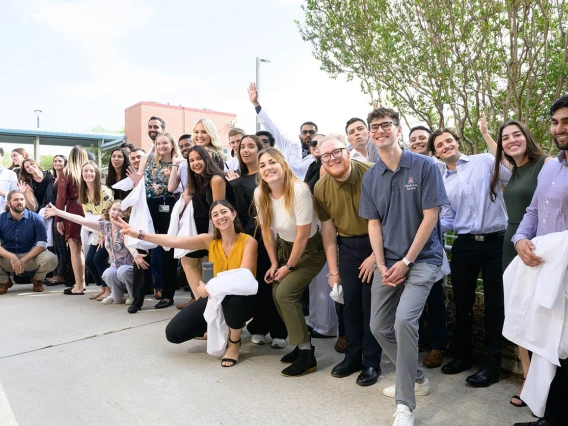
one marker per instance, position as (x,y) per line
(420,389)
(403,416)
(120,301)
(258,339)
(278,343)
(129,301)
(108,300)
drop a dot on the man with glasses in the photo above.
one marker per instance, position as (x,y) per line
(480,223)
(401,197)
(358,138)
(337,198)
(297,154)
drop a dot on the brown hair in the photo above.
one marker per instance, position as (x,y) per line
(84,190)
(384,112)
(532,154)
(24,175)
(437,133)
(242,166)
(20,151)
(125,213)
(9,197)
(236,222)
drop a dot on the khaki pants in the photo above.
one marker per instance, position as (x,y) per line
(42,264)
(288,292)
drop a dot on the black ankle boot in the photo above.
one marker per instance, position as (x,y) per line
(305,363)
(290,357)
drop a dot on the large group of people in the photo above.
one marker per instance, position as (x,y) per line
(350,226)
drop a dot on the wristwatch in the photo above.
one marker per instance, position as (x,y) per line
(407,262)
(290,267)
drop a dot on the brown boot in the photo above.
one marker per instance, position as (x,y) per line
(38,285)
(185,305)
(434,359)
(4,287)
(340,344)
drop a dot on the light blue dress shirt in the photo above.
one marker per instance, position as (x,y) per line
(471,210)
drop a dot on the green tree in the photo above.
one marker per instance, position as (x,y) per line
(445,62)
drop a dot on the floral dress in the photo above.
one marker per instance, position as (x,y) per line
(156,177)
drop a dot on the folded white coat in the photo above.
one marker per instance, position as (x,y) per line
(140,217)
(237,282)
(182,227)
(337,293)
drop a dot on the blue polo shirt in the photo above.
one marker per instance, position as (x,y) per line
(398,199)
(20,236)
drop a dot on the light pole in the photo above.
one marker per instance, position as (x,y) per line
(258,61)
(37,113)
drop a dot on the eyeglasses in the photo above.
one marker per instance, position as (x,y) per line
(313,144)
(336,153)
(374,128)
(308,132)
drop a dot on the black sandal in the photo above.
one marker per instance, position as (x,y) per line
(522,404)
(231,360)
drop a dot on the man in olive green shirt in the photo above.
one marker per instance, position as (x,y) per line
(344,229)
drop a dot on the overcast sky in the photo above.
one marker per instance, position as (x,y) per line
(84,61)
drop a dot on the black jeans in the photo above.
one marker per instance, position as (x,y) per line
(555,411)
(469,257)
(169,263)
(189,323)
(140,279)
(265,317)
(96,262)
(436,318)
(361,345)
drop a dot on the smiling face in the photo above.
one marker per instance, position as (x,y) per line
(184,146)
(17,158)
(514,142)
(222,217)
(58,163)
(135,157)
(196,163)
(447,148)
(117,159)
(559,128)
(357,135)
(164,145)
(248,151)
(384,132)
(200,135)
(31,168)
(234,141)
(154,129)
(115,212)
(89,173)
(307,132)
(270,170)
(339,164)
(418,142)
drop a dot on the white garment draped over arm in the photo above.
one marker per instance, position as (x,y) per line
(182,227)
(140,217)
(238,282)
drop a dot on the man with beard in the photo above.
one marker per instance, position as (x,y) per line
(337,197)
(480,224)
(155,126)
(547,214)
(24,243)
(297,154)
(418,143)
(358,138)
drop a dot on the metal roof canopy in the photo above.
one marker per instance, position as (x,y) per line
(47,137)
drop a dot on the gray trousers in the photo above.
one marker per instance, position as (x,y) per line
(42,264)
(120,280)
(395,312)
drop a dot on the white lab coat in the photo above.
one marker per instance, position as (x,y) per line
(239,282)
(140,217)
(536,304)
(184,227)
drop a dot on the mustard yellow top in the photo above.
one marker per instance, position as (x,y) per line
(221,262)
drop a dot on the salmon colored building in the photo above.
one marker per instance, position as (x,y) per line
(179,120)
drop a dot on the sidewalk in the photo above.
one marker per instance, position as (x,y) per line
(73,361)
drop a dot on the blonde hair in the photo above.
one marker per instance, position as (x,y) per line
(175,150)
(337,136)
(211,130)
(74,168)
(264,201)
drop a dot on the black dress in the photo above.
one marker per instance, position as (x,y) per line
(42,190)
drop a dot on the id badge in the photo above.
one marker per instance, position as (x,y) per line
(164,208)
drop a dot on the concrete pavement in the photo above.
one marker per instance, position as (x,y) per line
(67,360)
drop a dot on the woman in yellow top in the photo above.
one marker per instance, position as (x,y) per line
(229,248)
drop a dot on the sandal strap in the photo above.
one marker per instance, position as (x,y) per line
(238,341)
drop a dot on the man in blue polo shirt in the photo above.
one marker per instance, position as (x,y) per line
(401,197)
(23,242)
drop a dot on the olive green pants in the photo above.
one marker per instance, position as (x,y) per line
(288,292)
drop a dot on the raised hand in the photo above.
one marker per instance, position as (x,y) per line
(22,187)
(483,127)
(134,175)
(232,175)
(253,94)
(126,229)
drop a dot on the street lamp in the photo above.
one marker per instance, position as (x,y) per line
(37,113)
(258,61)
